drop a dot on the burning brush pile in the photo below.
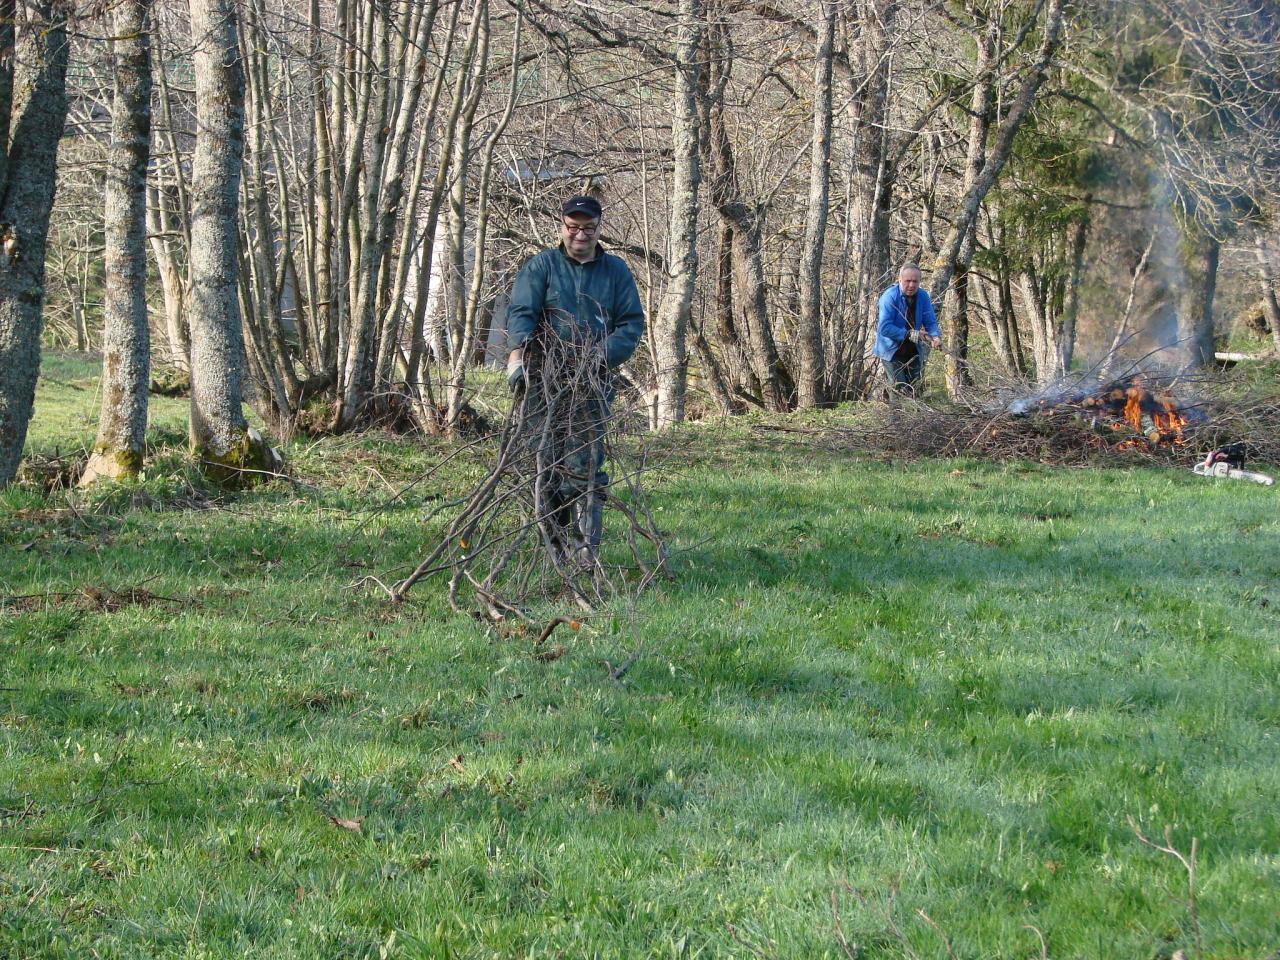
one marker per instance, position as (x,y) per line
(1143,412)
(1141,416)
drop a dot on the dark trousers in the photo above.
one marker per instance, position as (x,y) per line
(907,378)
(565,428)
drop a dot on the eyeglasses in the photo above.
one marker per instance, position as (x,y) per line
(586,229)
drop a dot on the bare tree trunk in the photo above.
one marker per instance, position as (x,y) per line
(126,339)
(357,375)
(1044,329)
(1270,306)
(170,216)
(811,375)
(395,264)
(421,353)
(8,38)
(995,328)
(1199,252)
(873,178)
(220,437)
(415,238)
(464,262)
(173,282)
(270,357)
(740,372)
(465,346)
(672,359)
(320,206)
(28,161)
(981,104)
(351,95)
(717,383)
(1008,320)
(749,283)
(1067,346)
(775,381)
(78,318)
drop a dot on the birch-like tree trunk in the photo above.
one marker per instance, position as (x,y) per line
(1044,328)
(169,214)
(395,264)
(266,254)
(671,327)
(318,232)
(28,159)
(126,339)
(463,258)
(812,363)
(221,439)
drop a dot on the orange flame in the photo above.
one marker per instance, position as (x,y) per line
(1167,419)
(1133,406)
(1156,416)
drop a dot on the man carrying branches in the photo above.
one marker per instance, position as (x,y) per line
(575,315)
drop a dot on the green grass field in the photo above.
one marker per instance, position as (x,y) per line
(884,710)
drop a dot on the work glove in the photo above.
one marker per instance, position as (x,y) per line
(515,372)
(922,336)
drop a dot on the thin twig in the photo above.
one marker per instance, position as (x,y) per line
(933,923)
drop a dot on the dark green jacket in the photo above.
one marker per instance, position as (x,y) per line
(597,298)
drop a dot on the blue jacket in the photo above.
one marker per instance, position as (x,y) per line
(597,297)
(891,328)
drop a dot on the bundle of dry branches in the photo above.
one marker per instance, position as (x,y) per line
(533,528)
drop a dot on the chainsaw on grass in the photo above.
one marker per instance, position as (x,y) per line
(1222,463)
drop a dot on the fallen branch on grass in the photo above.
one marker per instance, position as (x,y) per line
(91,599)
(1188,862)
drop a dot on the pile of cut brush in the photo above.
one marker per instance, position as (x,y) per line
(1142,417)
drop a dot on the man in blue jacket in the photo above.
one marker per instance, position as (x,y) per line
(906,329)
(585,299)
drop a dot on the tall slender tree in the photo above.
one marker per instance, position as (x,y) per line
(672,322)
(812,373)
(37,54)
(126,344)
(221,438)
